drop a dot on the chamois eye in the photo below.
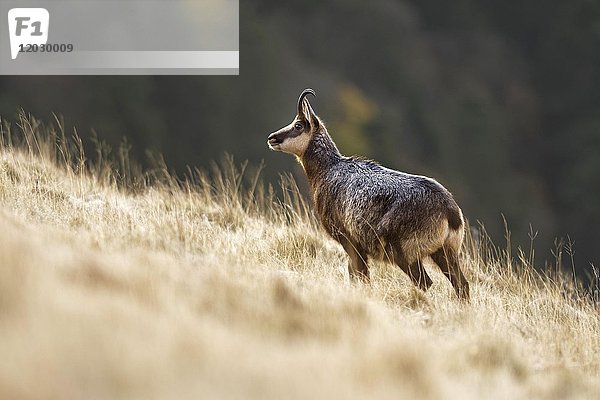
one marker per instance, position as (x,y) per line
(298,126)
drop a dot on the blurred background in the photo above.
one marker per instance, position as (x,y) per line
(499,100)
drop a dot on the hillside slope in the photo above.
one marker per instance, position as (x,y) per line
(204,290)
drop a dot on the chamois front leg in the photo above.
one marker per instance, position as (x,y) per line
(357,262)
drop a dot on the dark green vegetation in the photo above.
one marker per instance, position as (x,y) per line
(498,100)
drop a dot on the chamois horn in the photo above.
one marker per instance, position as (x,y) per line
(304,93)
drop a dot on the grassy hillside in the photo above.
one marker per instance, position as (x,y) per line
(208,290)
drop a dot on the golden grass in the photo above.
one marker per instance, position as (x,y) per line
(120,284)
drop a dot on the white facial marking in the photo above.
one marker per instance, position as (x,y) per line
(293,145)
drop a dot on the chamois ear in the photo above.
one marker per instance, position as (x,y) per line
(305,110)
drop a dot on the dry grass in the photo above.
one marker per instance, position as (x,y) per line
(203,289)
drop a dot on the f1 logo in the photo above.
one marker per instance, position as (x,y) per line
(27,26)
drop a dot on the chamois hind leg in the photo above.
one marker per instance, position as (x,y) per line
(415,271)
(447,259)
(419,276)
(357,262)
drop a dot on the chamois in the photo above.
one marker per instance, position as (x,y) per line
(373,211)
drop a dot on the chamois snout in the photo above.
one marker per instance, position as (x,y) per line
(275,139)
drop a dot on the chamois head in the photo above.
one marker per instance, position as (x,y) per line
(295,137)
